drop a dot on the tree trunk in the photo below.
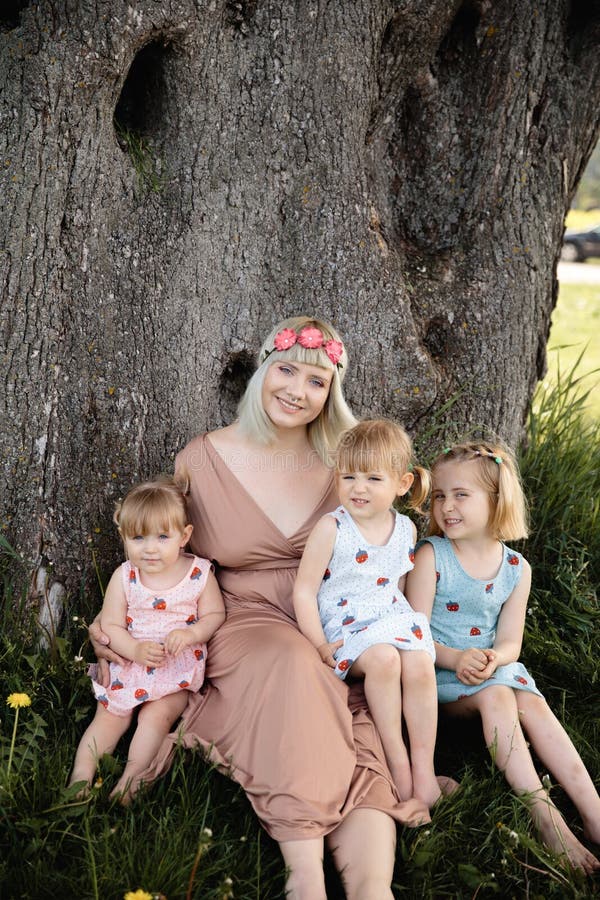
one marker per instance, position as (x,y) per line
(176,175)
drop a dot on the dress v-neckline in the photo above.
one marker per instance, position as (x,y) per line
(288,538)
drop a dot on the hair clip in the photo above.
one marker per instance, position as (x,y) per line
(446,449)
(497,459)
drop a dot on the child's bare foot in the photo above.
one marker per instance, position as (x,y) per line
(591,831)
(556,834)
(126,789)
(426,787)
(86,783)
(402,778)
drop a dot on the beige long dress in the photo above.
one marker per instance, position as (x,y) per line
(271,713)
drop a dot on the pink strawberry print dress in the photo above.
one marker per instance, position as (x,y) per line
(465,614)
(151,616)
(359,599)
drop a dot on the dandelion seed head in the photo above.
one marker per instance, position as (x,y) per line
(207,832)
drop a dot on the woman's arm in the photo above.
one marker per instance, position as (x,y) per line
(316,556)
(211,615)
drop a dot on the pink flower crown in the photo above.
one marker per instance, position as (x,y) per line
(312,339)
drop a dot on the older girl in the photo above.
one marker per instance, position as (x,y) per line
(475,590)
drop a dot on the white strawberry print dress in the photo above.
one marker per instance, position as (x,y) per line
(359,600)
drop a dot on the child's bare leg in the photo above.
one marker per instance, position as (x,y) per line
(497,706)
(101,736)
(556,750)
(154,723)
(381,668)
(420,707)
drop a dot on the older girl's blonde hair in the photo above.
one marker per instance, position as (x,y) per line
(334,418)
(382,445)
(499,475)
(153,506)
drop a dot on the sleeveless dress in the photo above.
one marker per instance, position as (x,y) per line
(359,598)
(465,614)
(151,615)
(270,713)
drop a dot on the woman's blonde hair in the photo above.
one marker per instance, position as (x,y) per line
(499,475)
(335,417)
(382,445)
(153,506)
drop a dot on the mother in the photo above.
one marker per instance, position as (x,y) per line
(271,713)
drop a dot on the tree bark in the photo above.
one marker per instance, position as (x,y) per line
(176,176)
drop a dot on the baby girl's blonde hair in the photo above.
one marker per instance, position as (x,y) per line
(153,506)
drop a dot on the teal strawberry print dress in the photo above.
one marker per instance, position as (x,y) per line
(465,614)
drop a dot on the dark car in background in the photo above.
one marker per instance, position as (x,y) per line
(579,245)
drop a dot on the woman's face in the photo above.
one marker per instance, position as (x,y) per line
(294,393)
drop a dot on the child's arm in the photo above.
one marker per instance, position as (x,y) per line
(511,622)
(315,558)
(402,579)
(421,581)
(420,592)
(211,615)
(113,621)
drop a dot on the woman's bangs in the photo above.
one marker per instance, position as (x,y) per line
(310,356)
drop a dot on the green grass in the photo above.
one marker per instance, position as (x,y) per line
(480,843)
(575,338)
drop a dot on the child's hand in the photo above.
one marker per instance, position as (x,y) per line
(326,652)
(472,665)
(178,639)
(149,653)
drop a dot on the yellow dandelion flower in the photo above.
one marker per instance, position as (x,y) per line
(138,895)
(16,701)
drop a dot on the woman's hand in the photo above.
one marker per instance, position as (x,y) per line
(104,655)
(326,652)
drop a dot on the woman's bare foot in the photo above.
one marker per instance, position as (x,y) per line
(448,786)
(557,835)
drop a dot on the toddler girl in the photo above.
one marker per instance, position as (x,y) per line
(160,608)
(349,599)
(475,590)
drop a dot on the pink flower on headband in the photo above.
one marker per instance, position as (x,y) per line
(310,338)
(285,339)
(334,350)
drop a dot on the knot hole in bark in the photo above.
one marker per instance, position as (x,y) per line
(10,13)
(234,378)
(141,116)
(239,14)
(462,34)
(582,25)
(437,337)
